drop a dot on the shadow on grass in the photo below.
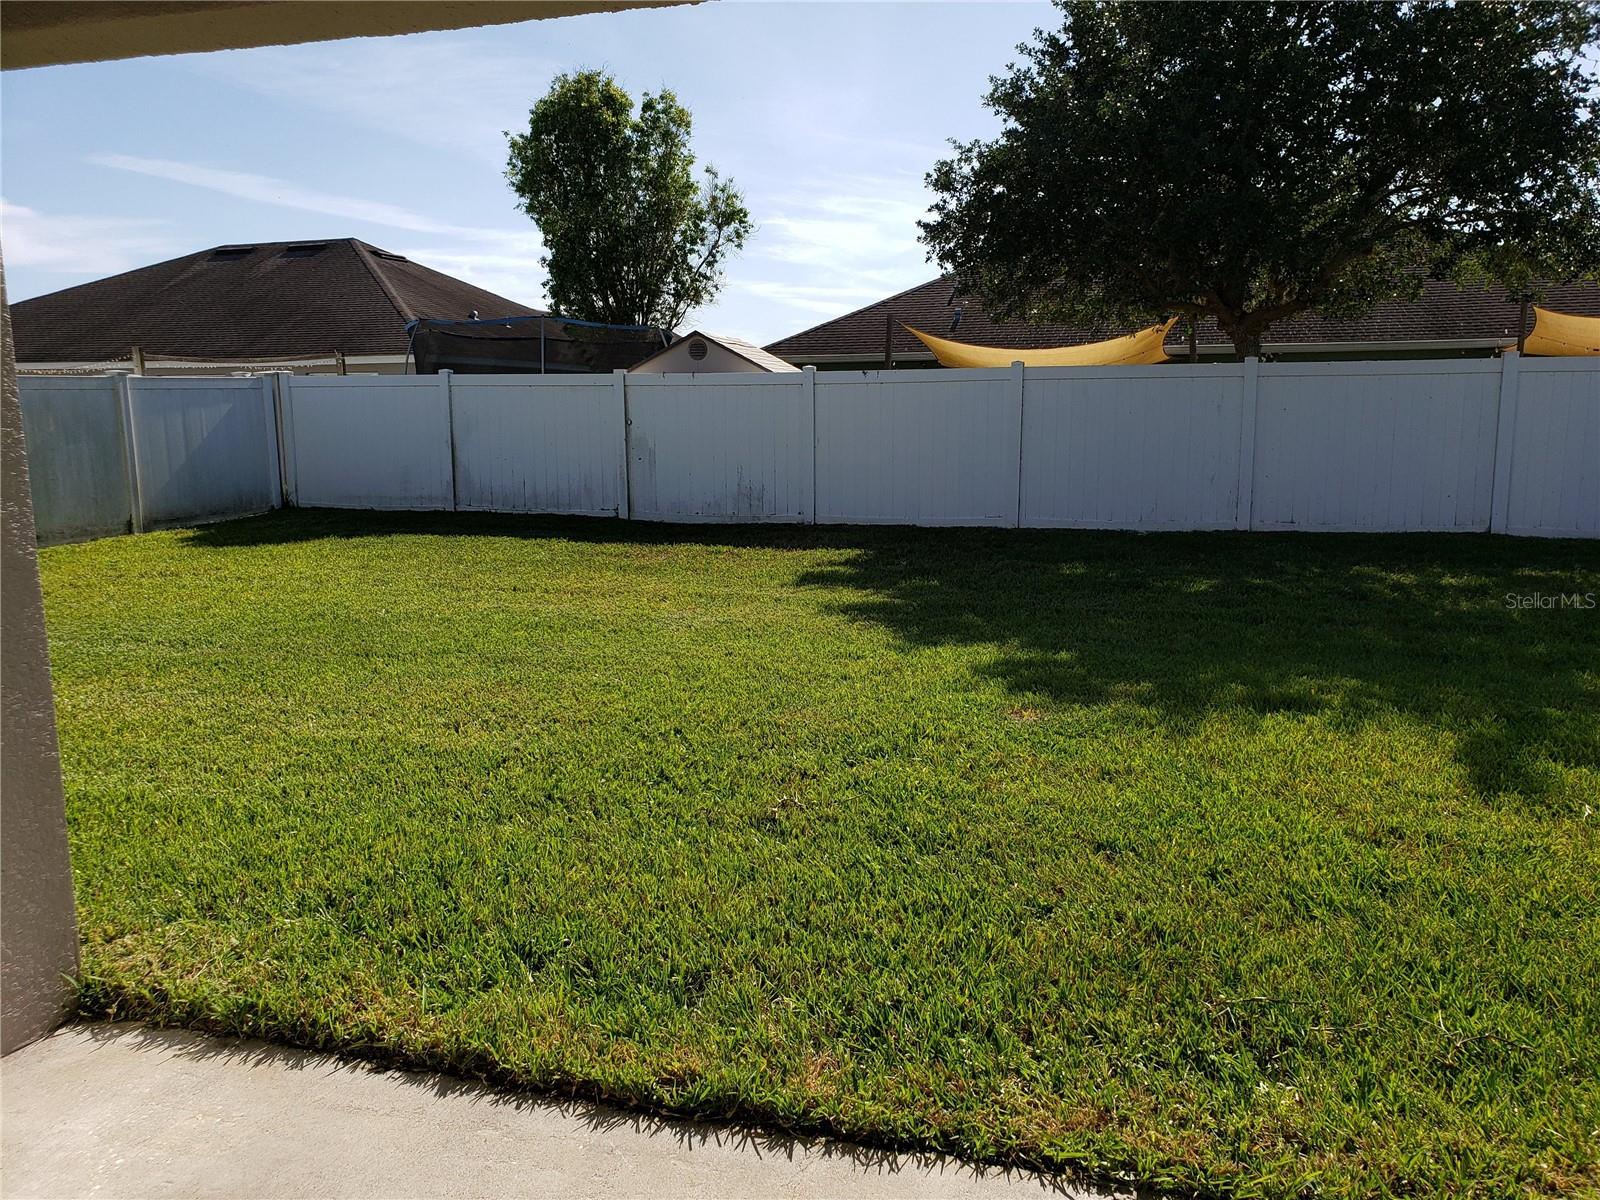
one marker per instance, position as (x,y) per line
(1183,625)
(673,1136)
(1350,626)
(301,525)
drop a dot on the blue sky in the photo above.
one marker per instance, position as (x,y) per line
(827,115)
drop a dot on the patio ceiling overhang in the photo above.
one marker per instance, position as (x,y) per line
(39,33)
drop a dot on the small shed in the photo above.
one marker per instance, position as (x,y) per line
(698,352)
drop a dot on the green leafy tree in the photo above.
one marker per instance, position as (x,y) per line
(631,237)
(1251,161)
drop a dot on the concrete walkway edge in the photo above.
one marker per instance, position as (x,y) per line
(122,1110)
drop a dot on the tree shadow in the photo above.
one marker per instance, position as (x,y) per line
(1180,626)
(1352,627)
(672,1138)
(300,525)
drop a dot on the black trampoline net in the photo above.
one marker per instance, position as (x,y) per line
(530,345)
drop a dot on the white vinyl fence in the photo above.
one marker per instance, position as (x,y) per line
(555,448)
(77,456)
(1550,422)
(368,441)
(726,447)
(201,454)
(919,447)
(1136,448)
(113,453)
(1508,445)
(1398,449)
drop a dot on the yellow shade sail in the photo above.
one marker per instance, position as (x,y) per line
(1564,334)
(1134,349)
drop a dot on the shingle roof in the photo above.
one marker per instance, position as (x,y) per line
(746,351)
(1443,313)
(249,301)
(751,352)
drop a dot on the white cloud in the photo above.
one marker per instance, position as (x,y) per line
(268,189)
(824,299)
(844,243)
(450,95)
(74,244)
(867,227)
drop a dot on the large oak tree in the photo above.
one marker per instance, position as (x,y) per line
(631,237)
(1249,161)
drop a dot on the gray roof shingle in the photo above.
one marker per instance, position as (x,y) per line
(1444,312)
(267,299)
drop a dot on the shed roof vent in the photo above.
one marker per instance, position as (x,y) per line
(305,249)
(225,253)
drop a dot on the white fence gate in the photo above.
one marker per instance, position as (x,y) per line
(1506,445)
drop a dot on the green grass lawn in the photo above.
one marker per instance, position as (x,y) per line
(1249,864)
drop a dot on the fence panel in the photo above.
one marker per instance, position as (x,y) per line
(733,447)
(1555,454)
(369,441)
(1380,446)
(1132,447)
(204,448)
(547,444)
(918,447)
(76,461)
(1376,445)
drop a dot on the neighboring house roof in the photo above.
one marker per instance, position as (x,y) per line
(268,299)
(738,346)
(1444,316)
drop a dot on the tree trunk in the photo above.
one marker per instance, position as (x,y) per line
(1247,343)
(1245,332)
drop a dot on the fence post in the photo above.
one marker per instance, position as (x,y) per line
(619,382)
(1504,437)
(288,459)
(1019,383)
(269,411)
(450,426)
(130,450)
(808,390)
(1249,407)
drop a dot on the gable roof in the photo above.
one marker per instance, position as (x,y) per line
(752,352)
(738,346)
(1445,313)
(267,299)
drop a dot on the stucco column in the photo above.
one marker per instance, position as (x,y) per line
(38,928)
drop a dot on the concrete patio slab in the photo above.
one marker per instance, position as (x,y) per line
(125,1111)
